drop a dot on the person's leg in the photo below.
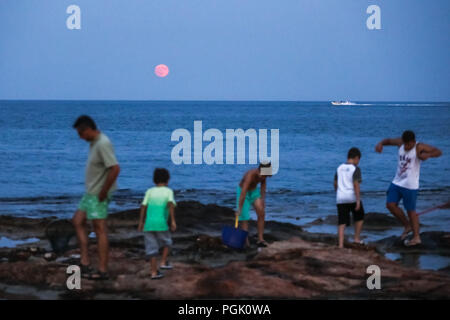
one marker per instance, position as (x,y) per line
(245,213)
(151,251)
(414,218)
(244,226)
(358,228)
(343,221)
(260,212)
(358,220)
(165,254)
(154,266)
(400,215)
(165,240)
(79,223)
(409,201)
(100,229)
(341,231)
(393,198)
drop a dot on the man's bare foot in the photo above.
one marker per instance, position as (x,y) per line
(405,233)
(411,243)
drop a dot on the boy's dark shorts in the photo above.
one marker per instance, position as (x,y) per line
(344,210)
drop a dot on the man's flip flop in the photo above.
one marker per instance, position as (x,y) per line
(406,235)
(159,275)
(262,244)
(99,276)
(409,243)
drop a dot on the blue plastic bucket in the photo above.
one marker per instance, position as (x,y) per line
(233,237)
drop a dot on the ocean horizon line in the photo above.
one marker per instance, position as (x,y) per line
(226,100)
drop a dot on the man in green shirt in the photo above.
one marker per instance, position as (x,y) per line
(102,170)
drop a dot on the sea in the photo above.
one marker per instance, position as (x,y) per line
(42,159)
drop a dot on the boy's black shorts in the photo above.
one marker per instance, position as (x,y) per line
(344,210)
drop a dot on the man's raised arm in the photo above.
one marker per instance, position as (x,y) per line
(388,142)
(425,151)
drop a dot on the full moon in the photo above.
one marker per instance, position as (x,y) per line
(161,70)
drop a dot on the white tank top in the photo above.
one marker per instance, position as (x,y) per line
(408,169)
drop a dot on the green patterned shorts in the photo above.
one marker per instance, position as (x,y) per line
(94,209)
(250,198)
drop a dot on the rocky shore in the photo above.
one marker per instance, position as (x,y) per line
(296,264)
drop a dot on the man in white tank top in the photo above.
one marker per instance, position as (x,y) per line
(406,181)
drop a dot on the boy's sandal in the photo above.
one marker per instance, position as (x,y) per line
(359,242)
(410,243)
(262,244)
(159,275)
(99,275)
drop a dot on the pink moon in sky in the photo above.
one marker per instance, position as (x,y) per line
(161,70)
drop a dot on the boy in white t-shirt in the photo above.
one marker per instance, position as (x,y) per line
(346,183)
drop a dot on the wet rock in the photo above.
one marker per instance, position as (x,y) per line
(446,269)
(37,260)
(205,242)
(296,264)
(319,222)
(36,250)
(432,242)
(50,256)
(59,233)
(18,255)
(372,221)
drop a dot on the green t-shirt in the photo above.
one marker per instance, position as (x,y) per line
(101,158)
(156,200)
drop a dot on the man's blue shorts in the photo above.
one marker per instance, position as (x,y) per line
(395,193)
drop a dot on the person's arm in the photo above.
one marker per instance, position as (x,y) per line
(425,151)
(244,190)
(357,179)
(173,224)
(106,152)
(263,193)
(142,217)
(388,142)
(143,213)
(335,182)
(357,193)
(112,176)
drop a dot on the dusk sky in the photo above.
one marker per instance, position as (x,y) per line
(225,50)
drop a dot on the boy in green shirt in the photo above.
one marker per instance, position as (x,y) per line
(158,203)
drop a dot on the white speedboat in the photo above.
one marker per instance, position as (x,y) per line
(342,103)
